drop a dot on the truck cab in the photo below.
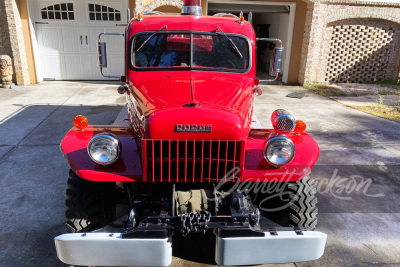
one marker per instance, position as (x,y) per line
(190,158)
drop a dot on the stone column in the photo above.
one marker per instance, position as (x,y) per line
(12,40)
(311,43)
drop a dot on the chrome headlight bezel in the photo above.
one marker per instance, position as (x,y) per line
(113,140)
(272,141)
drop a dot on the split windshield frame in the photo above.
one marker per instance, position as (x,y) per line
(191,67)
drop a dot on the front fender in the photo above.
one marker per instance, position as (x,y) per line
(257,169)
(127,168)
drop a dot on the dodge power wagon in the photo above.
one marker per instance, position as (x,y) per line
(190,161)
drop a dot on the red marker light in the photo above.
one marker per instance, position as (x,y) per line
(80,122)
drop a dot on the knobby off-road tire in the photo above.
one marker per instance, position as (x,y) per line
(301,205)
(89,205)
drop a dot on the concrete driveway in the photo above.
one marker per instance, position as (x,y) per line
(358,175)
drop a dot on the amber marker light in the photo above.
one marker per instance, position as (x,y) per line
(300,127)
(80,122)
(139,16)
(241,20)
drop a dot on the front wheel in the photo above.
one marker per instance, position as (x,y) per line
(294,205)
(89,204)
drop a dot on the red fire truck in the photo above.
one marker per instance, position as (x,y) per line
(190,161)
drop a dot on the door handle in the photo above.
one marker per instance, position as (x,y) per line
(81,40)
(86,40)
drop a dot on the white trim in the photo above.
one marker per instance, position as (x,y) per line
(288,46)
(292,16)
(35,48)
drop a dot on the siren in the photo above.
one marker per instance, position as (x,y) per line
(192,7)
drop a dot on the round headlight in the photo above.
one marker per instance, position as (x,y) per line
(282,121)
(279,150)
(104,148)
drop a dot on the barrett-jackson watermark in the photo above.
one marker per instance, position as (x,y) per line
(336,185)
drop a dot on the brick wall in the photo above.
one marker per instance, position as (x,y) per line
(12,40)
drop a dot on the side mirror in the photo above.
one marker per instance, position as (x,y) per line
(102,54)
(278,54)
(276,67)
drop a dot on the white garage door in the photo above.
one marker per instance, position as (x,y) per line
(67,34)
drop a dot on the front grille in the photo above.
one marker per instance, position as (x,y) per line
(190,160)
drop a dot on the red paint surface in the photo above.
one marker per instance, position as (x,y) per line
(128,167)
(257,169)
(160,99)
(160,96)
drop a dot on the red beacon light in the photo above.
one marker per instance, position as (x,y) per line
(192,7)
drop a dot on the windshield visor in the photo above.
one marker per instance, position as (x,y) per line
(212,52)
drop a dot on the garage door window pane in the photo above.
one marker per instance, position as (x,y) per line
(103,13)
(64,11)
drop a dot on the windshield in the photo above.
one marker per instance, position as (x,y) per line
(190,51)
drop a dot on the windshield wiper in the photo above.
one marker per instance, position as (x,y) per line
(235,48)
(145,42)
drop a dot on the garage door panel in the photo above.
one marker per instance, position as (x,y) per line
(116,43)
(72,67)
(49,40)
(69,47)
(116,65)
(70,39)
(87,66)
(52,66)
(94,36)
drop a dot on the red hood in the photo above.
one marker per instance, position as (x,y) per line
(222,100)
(159,90)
